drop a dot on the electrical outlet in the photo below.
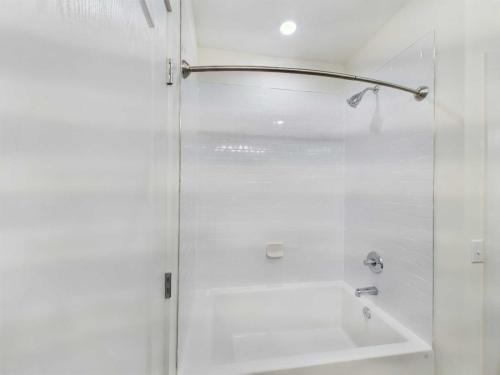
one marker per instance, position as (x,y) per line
(477,251)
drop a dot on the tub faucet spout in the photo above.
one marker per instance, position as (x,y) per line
(371,290)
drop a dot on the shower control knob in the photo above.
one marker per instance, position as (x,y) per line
(374,262)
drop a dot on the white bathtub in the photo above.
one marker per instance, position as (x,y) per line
(297,329)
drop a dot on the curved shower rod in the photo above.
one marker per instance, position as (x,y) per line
(420,93)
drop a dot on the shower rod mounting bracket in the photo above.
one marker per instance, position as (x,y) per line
(420,93)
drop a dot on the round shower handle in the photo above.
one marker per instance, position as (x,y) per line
(374,262)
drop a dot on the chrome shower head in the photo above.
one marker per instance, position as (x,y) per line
(354,100)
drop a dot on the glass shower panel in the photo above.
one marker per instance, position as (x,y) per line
(261,218)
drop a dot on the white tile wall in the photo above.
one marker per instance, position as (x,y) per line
(389,191)
(262,165)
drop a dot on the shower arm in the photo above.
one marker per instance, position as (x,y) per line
(420,93)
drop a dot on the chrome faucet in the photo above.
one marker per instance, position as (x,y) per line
(371,290)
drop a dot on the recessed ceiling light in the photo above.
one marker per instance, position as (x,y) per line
(288,27)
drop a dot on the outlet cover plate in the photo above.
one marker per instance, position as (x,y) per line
(477,251)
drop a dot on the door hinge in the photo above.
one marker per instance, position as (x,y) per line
(170,73)
(168,285)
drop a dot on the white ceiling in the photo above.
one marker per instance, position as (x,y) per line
(328,30)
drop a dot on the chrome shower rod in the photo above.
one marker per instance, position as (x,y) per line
(420,93)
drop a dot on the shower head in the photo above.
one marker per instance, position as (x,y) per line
(354,100)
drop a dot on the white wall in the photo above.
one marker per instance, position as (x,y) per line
(483,117)
(389,190)
(458,283)
(492,279)
(85,197)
